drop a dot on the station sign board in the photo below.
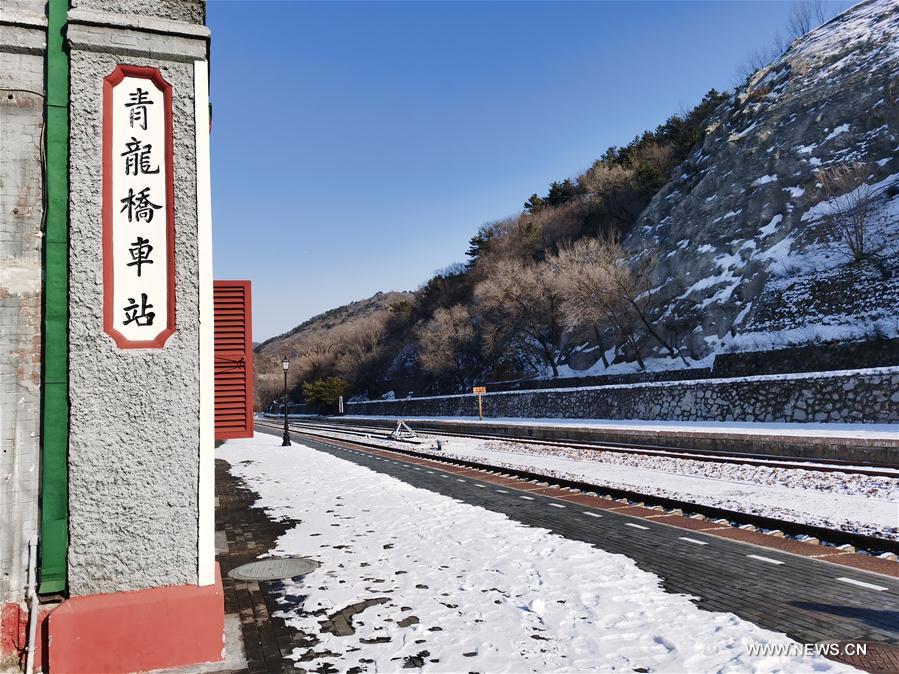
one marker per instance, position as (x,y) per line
(138,208)
(480,390)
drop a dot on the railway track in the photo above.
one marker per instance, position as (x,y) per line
(834,537)
(818,465)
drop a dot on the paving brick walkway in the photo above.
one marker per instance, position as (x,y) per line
(243,533)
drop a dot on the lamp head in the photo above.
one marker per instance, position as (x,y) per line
(285,363)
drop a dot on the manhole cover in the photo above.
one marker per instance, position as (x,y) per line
(274,569)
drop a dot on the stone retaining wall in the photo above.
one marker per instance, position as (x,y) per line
(847,396)
(602,379)
(809,358)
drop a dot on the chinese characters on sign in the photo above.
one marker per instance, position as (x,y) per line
(137,211)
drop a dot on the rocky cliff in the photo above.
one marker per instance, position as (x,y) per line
(750,251)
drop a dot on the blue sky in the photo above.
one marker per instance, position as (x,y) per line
(357,146)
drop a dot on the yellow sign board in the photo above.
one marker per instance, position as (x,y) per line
(479,389)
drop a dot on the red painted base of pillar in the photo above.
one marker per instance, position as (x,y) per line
(13,629)
(138,631)
(14,634)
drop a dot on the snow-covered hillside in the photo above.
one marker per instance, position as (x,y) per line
(749,255)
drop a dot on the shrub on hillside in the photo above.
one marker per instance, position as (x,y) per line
(323,394)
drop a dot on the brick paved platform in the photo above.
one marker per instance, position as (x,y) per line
(878,658)
(243,533)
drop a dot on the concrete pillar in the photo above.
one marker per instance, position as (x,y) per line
(134,438)
(140,441)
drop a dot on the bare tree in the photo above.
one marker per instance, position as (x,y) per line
(659,156)
(588,299)
(266,387)
(528,234)
(317,356)
(521,296)
(268,378)
(634,284)
(850,199)
(778,45)
(805,15)
(758,59)
(357,342)
(449,346)
(598,283)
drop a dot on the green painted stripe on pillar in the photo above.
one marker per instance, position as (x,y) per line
(55,420)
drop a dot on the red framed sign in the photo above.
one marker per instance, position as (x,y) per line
(138,208)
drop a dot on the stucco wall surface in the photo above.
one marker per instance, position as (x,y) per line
(191,11)
(134,438)
(21,213)
(849,396)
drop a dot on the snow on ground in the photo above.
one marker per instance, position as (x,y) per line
(771,227)
(836,500)
(653,364)
(834,328)
(505,597)
(819,430)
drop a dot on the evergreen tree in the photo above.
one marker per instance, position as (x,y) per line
(478,243)
(533,204)
(561,193)
(323,394)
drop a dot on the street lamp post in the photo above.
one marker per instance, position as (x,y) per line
(286,442)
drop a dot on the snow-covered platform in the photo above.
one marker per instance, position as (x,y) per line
(853,443)
(436,568)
